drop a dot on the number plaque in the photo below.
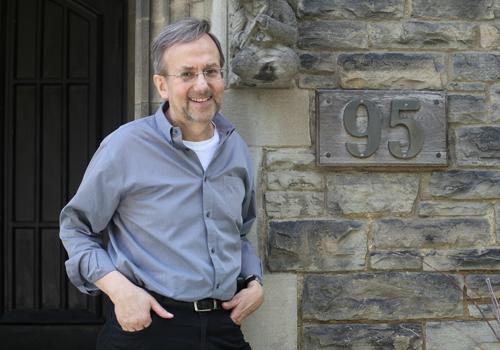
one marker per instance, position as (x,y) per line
(380,128)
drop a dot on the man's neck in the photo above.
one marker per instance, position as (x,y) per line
(193,131)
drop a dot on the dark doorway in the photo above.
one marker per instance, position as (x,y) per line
(63,74)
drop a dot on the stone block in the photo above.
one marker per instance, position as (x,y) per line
(495,103)
(475,66)
(311,81)
(430,232)
(317,62)
(396,260)
(477,287)
(290,158)
(317,245)
(391,71)
(294,204)
(424,35)
(461,335)
(294,180)
(465,184)
(489,36)
(497,220)
(323,34)
(463,259)
(382,296)
(467,86)
(372,192)
(266,328)
(407,336)
(453,9)
(467,109)
(352,8)
(450,208)
(261,114)
(481,311)
(478,146)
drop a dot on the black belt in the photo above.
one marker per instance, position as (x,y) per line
(202,305)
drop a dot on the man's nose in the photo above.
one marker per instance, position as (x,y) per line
(201,81)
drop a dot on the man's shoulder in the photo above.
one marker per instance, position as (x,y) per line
(128,132)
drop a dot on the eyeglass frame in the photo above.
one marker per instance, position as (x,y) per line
(195,75)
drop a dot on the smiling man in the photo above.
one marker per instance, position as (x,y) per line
(174,192)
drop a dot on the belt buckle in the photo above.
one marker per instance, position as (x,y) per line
(197,308)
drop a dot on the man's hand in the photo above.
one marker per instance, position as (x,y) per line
(245,302)
(133,305)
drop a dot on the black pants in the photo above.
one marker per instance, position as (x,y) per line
(188,330)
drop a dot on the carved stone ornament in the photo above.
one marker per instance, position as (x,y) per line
(263,33)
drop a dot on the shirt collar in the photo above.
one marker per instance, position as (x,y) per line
(173,134)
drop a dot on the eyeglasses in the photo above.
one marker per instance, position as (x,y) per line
(210,74)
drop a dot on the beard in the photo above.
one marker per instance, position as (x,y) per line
(201,116)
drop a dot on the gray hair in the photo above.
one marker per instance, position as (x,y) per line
(183,31)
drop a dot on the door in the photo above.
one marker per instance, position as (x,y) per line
(63,91)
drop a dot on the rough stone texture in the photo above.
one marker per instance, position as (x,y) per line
(489,36)
(476,66)
(453,9)
(480,311)
(459,86)
(317,245)
(294,204)
(478,145)
(465,259)
(290,158)
(396,260)
(328,34)
(310,81)
(372,192)
(430,233)
(429,35)
(352,8)
(461,335)
(467,109)
(267,329)
(449,208)
(477,287)
(462,184)
(495,103)
(317,62)
(497,220)
(382,296)
(391,71)
(259,116)
(294,180)
(407,336)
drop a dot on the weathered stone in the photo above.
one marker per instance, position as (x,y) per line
(430,233)
(461,335)
(476,66)
(422,35)
(317,245)
(391,71)
(407,336)
(465,259)
(489,36)
(478,145)
(426,209)
(467,109)
(290,158)
(497,220)
(495,103)
(294,180)
(294,204)
(481,311)
(396,260)
(459,184)
(382,296)
(372,192)
(310,81)
(352,8)
(327,34)
(459,86)
(317,62)
(455,9)
(478,288)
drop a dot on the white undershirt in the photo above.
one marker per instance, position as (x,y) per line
(204,149)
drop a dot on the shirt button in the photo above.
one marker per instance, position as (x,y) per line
(212,250)
(217,286)
(208,214)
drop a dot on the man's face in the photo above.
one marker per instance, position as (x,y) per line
(195,101)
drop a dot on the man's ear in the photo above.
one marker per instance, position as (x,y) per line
(161,85)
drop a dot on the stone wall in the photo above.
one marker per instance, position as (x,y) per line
(397,258)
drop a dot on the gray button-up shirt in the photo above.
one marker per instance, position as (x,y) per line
(173,228)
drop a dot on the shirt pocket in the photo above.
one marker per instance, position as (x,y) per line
(234,193)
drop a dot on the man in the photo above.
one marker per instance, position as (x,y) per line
(174,192)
